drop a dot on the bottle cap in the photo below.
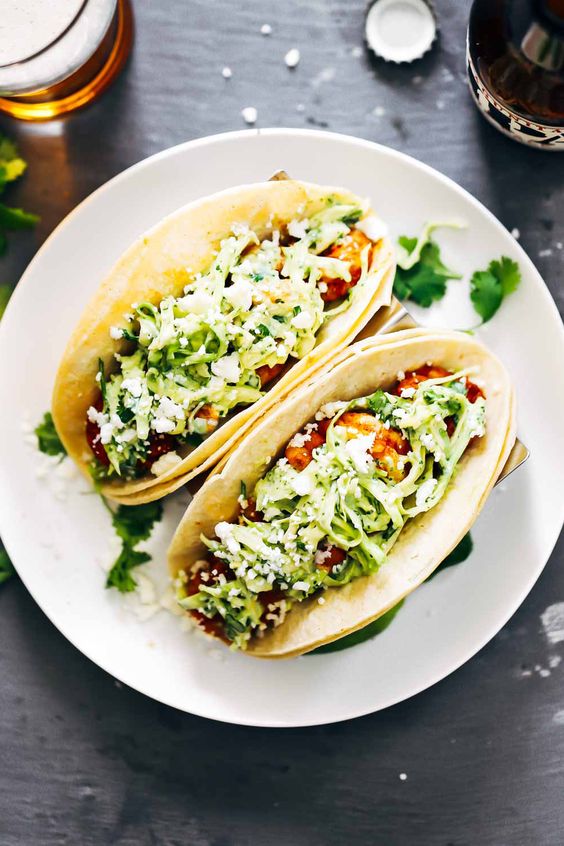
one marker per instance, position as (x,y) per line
(400,30)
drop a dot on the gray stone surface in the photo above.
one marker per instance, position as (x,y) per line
(85,762)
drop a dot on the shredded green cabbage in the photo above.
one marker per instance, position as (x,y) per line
(343,498)
(257,305)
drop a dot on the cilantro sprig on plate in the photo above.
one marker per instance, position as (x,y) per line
(132,523)
(421,275)
(488,288)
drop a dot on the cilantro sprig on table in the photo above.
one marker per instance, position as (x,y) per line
(132,523)
(12,166)
(421,276)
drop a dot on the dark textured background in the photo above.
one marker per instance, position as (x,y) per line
(85,762)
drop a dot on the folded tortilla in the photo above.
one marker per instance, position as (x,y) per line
(153,268)
(424,542)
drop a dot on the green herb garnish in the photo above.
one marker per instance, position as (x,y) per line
(47,437)
(490,287)
(6,567)
(5,294)
(12,166)
(133,524)
(422,277)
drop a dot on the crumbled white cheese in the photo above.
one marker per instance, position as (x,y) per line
(330,409)
(240,294)
(299,439)
(425,492)
(303,320)
(196,302)
(249,114)
(224,531)
(298,228)
(301,586)
(292,57)
(407,393)
(358,451)
(169,408)
(372,227)
(161,425)
(240,228)
(165,463)
(133,385)
(227,368)
(303,484)
(116,333)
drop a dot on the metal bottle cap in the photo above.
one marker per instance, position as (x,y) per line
(400,30)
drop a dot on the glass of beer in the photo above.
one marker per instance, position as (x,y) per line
(58,55)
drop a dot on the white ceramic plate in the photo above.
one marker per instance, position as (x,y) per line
(57,541)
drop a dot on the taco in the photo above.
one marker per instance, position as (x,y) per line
(206,320)
(348,495)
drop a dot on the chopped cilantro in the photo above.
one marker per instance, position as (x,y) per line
(5,294)
(12,166)
(424,281)
(489,287)
(120,575)
(263,331)
(133,524)
(47,437)
(6,567)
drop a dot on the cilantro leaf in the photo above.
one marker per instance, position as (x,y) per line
(120,575)
(16,218)
(424,281)
(6,567)
(421,285)
(47,437)
(407,243)
(5,294)
(489,287)
(134,523)
(11,164)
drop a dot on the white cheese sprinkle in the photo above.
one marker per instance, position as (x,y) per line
(372,227)
(227,368)
(303,320)
(425,492)
(116,333)
(249,114)
(292,57)
(165,463)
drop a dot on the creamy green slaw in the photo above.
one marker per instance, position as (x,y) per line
(259,304)
(343,498)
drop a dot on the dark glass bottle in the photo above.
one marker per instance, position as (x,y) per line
(516,68)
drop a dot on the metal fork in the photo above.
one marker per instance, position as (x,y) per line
(394,317)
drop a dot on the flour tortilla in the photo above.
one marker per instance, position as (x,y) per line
(423,543)
(154,267)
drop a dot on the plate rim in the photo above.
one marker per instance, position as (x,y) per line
(435,174)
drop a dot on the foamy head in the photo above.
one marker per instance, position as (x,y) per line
(44,41)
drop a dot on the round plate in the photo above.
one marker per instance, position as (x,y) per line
(57,537)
